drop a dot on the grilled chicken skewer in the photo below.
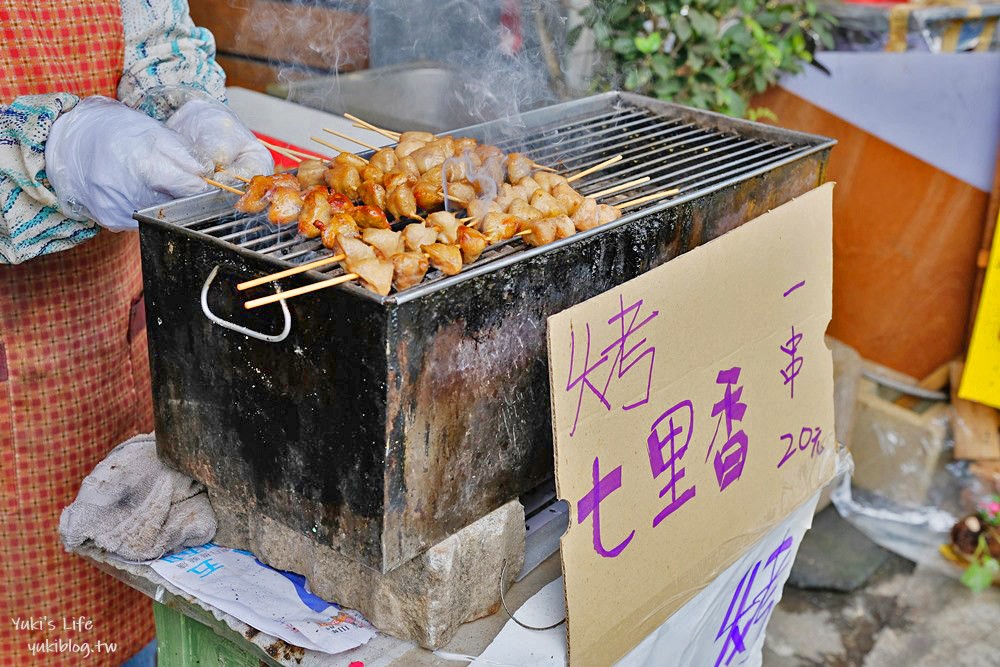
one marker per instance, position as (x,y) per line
(538,206)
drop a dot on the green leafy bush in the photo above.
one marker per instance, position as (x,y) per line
(712,54)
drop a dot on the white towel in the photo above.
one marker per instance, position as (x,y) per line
(137,508)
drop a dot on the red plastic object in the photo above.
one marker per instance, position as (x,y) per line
(283,162)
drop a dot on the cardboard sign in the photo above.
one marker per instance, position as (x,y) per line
(693,412)
(981,379)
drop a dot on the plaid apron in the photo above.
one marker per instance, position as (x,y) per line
(74,372)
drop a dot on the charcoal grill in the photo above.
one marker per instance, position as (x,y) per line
(380,425)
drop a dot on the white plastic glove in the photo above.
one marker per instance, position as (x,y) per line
(105,160)
(221,137)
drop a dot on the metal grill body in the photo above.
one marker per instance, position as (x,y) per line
(380,426)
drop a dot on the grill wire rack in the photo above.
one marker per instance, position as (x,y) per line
(685,152)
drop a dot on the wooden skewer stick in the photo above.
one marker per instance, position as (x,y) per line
(619,188)
(223,186)
(283,151)
(648,198)
(236,176)
(290,272)
(332,147)
(374,128)
(596,167)
(349,138)
(307,156)
(386,134)
(541,167)
(371,126)
(281,296)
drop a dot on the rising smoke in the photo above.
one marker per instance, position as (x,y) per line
(509,56)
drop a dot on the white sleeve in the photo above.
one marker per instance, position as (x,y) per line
(163,47)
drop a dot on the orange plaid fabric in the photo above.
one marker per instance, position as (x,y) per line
(76,384)
(74,371)
(60,46)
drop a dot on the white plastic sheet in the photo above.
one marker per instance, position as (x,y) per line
(723,625)
(274,602)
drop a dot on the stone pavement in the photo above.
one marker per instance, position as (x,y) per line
(903,616)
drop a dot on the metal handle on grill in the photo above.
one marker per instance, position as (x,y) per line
(267,338)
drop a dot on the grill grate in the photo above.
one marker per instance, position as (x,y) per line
(688,153)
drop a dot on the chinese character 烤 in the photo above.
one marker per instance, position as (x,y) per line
(583,379)
(624,360)
(752,611)
(627,355)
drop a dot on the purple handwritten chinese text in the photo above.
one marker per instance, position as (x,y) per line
(732,456)
(679,421)
(628,354)
(591,504)
(744,611)
(807,436)
(794,366)
(624,354)
(794,287)
(583,380)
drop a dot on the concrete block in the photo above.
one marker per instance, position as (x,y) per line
(424,600)
(835,556)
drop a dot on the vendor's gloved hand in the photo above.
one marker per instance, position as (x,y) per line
(105,160)
(221,137)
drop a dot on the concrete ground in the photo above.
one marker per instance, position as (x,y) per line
(901,615)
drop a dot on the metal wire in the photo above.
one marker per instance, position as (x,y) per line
(503,570)
(674,152)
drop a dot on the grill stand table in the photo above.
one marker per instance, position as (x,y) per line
(191,632)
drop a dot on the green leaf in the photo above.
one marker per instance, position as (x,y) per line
(773,52)
(624,46)
(759,81)
(662,65)
(573,36)
(638,78)
(762,113)
(621,11)
(659,7)
(978,578)
(648,44)
(665,90)
(799,43)
(703,23)
(736,105)
(681,27)
(719,70)
(825,37)
(767,19)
